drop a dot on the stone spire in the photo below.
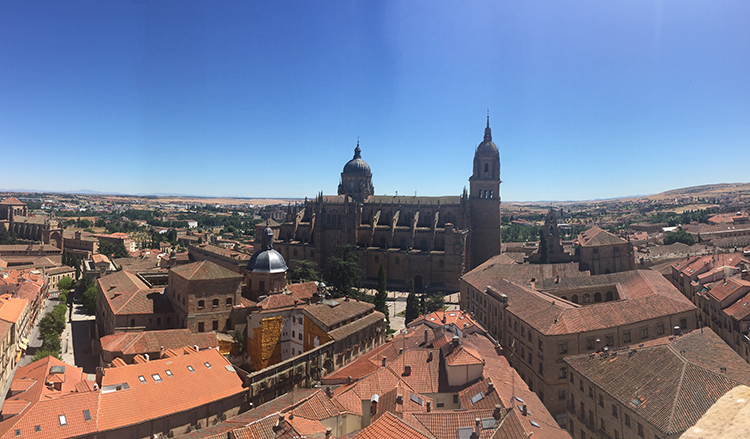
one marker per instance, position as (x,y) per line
(488,131)
(357,151)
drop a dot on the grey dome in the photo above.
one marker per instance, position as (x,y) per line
(267,261)
(357,165)
(487,147)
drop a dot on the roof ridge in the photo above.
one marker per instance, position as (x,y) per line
(137,336)
(679,387)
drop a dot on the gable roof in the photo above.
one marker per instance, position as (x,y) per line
(12,201)
(670,382)
(127,294)
(204,270)
(596,237)
(389,426)
(131,343)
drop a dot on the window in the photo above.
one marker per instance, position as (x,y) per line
(215,303)
(563,373)
(660,329)
(601,401)
(590,344)
(201,304)
(229,301)
(63,420)
(591,393)
(614,411)
(299,336)
(541,345)
(609,340)
(18,431)
(640,430)
(626,336)
(580,385)
(168,372)
(601,424)
(572,378)
(561,394)
(562,348)
(215,325)
(644,333)
(627,420)
(142,379)
(455,399)
(523,331)
(294,334)
(201,327)
(583,434)
(683,323)
(617,434)
(156,377)
(541,368)
(37,428)
(190,368)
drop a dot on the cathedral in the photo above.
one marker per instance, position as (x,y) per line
(432,240)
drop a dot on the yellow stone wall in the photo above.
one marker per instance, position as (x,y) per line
(311,331)
(264,346)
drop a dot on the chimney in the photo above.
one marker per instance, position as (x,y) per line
(195,346)
(385,361)
(146,357)
(100,373)
(407,370)
(346,298)
(280,423)
(161,352)
(477,426)
(400,351)
(676,331)
(429,406)
(524,410)
(490,387)
(429,356)
(329,392)
(444,319)
(374,404)
(349,379)
(498,412)
(399,398)
(329,432)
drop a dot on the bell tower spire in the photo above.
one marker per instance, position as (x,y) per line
(484,200)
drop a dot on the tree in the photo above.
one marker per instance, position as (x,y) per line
(435,302)
(7,237)
(412,304)
(343,272)
(381,297)
(304,271)
(65,283)
(679,236)
(115,250)
(88,299)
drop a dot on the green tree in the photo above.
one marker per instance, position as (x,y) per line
(436,302)
(679,236)
(65,283)
(88,299)
(412,304)
(7,237)
(343,272)
(304,271)
(115,250)
(381,297)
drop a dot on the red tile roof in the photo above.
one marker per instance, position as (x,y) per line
(204,270)
(12,201)
(596,237)
(127,294)
(389,426)
(130,343)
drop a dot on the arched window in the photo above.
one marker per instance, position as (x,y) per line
(490,194)
(215,302)
(587,298)
(609,296)
(574,299)
(486,167)
(598,297)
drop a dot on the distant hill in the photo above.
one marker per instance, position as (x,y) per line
(706,189)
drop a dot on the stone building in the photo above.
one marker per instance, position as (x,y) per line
(655,390)
(541,323)
(602,252)
(432,240)
(14,216)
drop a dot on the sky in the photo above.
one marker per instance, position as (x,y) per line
(587,99)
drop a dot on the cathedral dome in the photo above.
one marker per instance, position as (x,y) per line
(267,260)
(356,165)
(487,147)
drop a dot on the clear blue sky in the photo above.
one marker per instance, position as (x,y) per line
(587,99)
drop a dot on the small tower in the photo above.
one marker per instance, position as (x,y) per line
(266,268)
(356,179)
(484,199)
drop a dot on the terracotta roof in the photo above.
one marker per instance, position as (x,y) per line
(11,308)
(644,295)
(389,426)
(524,273)
(342,332)
(596,237)
(130,343)
(152,399)
(127,294)
(461,319)
(463,356)
(740,309)
(670,382)
(12,201)
(729,287)
(331,316)
(204,270)
(295,294)
(445,424)
(425,375)
(318,406)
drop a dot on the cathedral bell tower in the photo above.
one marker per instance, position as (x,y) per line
(484,200)
(356,179)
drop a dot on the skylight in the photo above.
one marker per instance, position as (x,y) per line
(169,373)
(476,398)
(63,420)
(207,364)
(534,424)
(156,377)
(636,402)
(190,368)
(86,415)
(417,399)
(37,428)
(142,379)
